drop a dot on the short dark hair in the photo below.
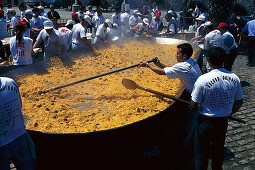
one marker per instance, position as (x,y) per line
(216,56)
(186,49)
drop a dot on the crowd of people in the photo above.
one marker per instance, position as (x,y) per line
(214,96)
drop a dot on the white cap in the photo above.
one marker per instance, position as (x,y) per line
(29,11)
(48,24)
(69,22)
(9,10)
(40,7)
(136,12)
(109,22)
(201,18)
(146,21)
(208,23)
(87,18)
(170,11)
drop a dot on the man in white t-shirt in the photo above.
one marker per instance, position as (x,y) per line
(37,21)
(133,21)
(15,143)
(98,19)
(216,95)
(141,27)
(188,71)
(52,39)
(124,19)
(101,33)
(213,38)
(116,17)
(156,24)
(67,36)
(229,45)
(28,16)
(79,39)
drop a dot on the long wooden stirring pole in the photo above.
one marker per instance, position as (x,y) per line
(100,75)
(130,84)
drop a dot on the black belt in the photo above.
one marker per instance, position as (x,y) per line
(202,117)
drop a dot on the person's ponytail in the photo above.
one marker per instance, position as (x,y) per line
(19,29)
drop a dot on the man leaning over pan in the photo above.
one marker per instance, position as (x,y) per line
(188,71)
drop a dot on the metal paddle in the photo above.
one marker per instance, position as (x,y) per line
(100,75)
(130,84)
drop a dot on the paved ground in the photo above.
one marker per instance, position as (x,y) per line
(240,142)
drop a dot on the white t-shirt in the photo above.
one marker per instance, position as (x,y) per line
(101,31)
(213,39)
(98,20)
(187,72)
(124,19)
(67,37)
(14,20)
(216,92)
(133,21)
(78,32)
(154,25)
(11,118)
(142,27)
(38,22)
(52,42)
(228,42)
(116,19)
(21,52)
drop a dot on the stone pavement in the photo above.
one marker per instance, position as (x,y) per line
(240,141)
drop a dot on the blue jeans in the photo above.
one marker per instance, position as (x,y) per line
(211,133)
(20,152)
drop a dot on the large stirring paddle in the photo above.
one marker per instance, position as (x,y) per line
(130,84)
(100,75)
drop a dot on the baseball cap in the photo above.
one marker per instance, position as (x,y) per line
(23,21)
(48,24)
(87,18)
(40,7)
(222,24)
(146,21)
(69,22)
(201,18)
(158,14)
(29,11)
(136,12)
(207,24)
(2,11)
(9,10)
(107,21)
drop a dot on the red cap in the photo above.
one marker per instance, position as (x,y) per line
(90,15)
(2,11)
(158,14)
(222,24)
(75,15)
(23,21)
